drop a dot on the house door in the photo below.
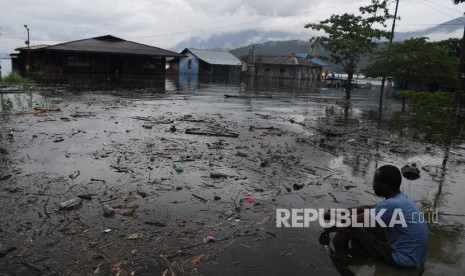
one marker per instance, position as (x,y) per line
(116,66)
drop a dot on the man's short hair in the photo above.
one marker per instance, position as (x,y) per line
(391,176)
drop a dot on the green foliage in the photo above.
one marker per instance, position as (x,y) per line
(416,61)
(428,102)
(13,78)
(7,104)
(452,45)
(349,37)
(406,95)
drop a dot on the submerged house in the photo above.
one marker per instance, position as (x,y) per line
(317,64)
(215,63)
(287,66)
(99,55)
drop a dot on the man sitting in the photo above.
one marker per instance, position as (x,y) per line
(404,244)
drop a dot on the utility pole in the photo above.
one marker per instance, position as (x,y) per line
(458,82)
(391,37)
(253,56)
(28,42)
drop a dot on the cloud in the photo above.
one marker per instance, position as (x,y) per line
(165,23)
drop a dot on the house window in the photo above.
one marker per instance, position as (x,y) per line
(149,65)
(267,69)
(282,70)
(78,62)
(189,64)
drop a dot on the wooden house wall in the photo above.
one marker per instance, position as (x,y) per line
(287,71)
(66,62)
(222,71)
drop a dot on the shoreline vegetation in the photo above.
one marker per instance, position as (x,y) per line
(13,78)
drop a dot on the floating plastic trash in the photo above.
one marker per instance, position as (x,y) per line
(411,172)
(135,236)
(178,169)
(208,239)
(249,199)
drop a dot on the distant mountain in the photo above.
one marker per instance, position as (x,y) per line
(451,28)
(233,40)
(237,40)
(274,47)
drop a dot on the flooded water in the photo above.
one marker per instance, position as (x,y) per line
(178,158)
(5,66)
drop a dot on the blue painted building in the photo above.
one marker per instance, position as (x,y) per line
(215,63)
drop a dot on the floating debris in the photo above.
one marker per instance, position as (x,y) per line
(208,239)
(249,199)
(411,172)
(75,174)
(70,204)
(108,211)
(135,236)
(178,169)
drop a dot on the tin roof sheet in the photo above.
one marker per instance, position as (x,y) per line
(214,57)
(108,44)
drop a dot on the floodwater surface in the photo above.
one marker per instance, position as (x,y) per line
(181,160)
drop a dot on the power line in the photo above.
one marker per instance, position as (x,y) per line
(442,24)
(438,10)
(437,4)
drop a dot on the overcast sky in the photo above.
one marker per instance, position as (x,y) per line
(164,23)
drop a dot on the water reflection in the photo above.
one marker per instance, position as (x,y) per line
(92,82)
(24,101)
(446,246)
(188,83)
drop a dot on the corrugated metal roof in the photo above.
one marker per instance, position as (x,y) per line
(302,55)
(109,44)
(214,57)
(281,60)
(33,47)
(318,62)
(313,61)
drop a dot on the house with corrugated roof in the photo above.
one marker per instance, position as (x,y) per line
(215,63)
(317,64)
(288,66)
(98,55)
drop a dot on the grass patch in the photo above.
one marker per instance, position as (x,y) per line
(7,104)
(13,78)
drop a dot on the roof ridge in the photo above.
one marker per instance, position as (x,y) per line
(77,40)
(217,50)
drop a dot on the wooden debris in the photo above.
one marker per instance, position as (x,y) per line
(217,175)
(201,198)
(196,131)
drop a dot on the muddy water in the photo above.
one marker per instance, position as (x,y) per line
(118,146)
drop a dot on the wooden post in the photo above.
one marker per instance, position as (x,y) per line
(391,37)
(458,82)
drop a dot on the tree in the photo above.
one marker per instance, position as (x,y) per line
(350,36)
(452,45)
(458,1)
(416,62)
